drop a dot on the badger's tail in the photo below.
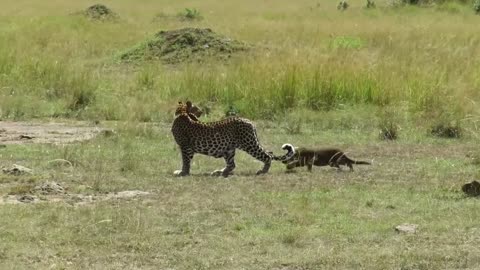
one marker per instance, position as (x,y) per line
(290,153)
(345,158)
(358,162)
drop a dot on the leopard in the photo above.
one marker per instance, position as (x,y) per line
(301,156)
(218,139)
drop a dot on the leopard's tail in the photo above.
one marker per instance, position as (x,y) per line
(290,153)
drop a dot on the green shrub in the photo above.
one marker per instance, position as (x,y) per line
(450,7)
(476,6)
(342,5)
(388,131)
(190,14)
(370,4)
(293,123)
(446,130)
(388,124)
(345,42)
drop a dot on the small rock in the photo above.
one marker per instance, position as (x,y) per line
(79,199)
(107,132)
(406,228)
(26,137)
(60,163)
(130,194)
(472,189)
(49,188)
(26,199)
(17,170)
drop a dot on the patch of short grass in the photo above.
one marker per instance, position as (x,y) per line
(324,218)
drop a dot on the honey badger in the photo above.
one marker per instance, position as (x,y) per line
(301,156)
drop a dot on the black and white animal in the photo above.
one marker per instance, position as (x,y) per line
(302,156)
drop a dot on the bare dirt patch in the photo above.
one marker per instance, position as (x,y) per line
(54,133)
(52,192)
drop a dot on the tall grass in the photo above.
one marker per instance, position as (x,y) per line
(305,58)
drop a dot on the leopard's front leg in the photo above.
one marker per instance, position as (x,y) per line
(187,156)
(230,164)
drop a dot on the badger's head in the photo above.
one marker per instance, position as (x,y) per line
(290,152)
(288,147)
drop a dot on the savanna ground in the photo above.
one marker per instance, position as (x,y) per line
(317,76)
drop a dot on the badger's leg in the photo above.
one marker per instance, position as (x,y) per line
(309,162)
(349,164)
(293,164)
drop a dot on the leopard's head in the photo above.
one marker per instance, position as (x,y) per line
(189,109)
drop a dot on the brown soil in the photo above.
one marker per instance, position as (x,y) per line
(55,133)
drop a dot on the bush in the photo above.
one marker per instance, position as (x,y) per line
(99,12)
(450,7)
(447,130)
(476,6)
(388,131)
(190,14)
(388,125)
(370,4)
(343,5)
(293,124)
(345,42)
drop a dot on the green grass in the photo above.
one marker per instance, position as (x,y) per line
(324,219)
(316,77)
(306,57)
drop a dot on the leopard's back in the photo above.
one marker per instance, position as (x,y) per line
(214,138)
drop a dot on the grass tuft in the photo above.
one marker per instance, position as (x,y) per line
(447,130)
(388,125)
(190,14)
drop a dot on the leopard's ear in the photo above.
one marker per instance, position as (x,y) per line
(189,104)
(180,103)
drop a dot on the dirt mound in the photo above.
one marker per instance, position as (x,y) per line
(184,45)
(99,12)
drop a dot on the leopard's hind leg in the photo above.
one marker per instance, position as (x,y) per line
(256,151)
(250,144)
